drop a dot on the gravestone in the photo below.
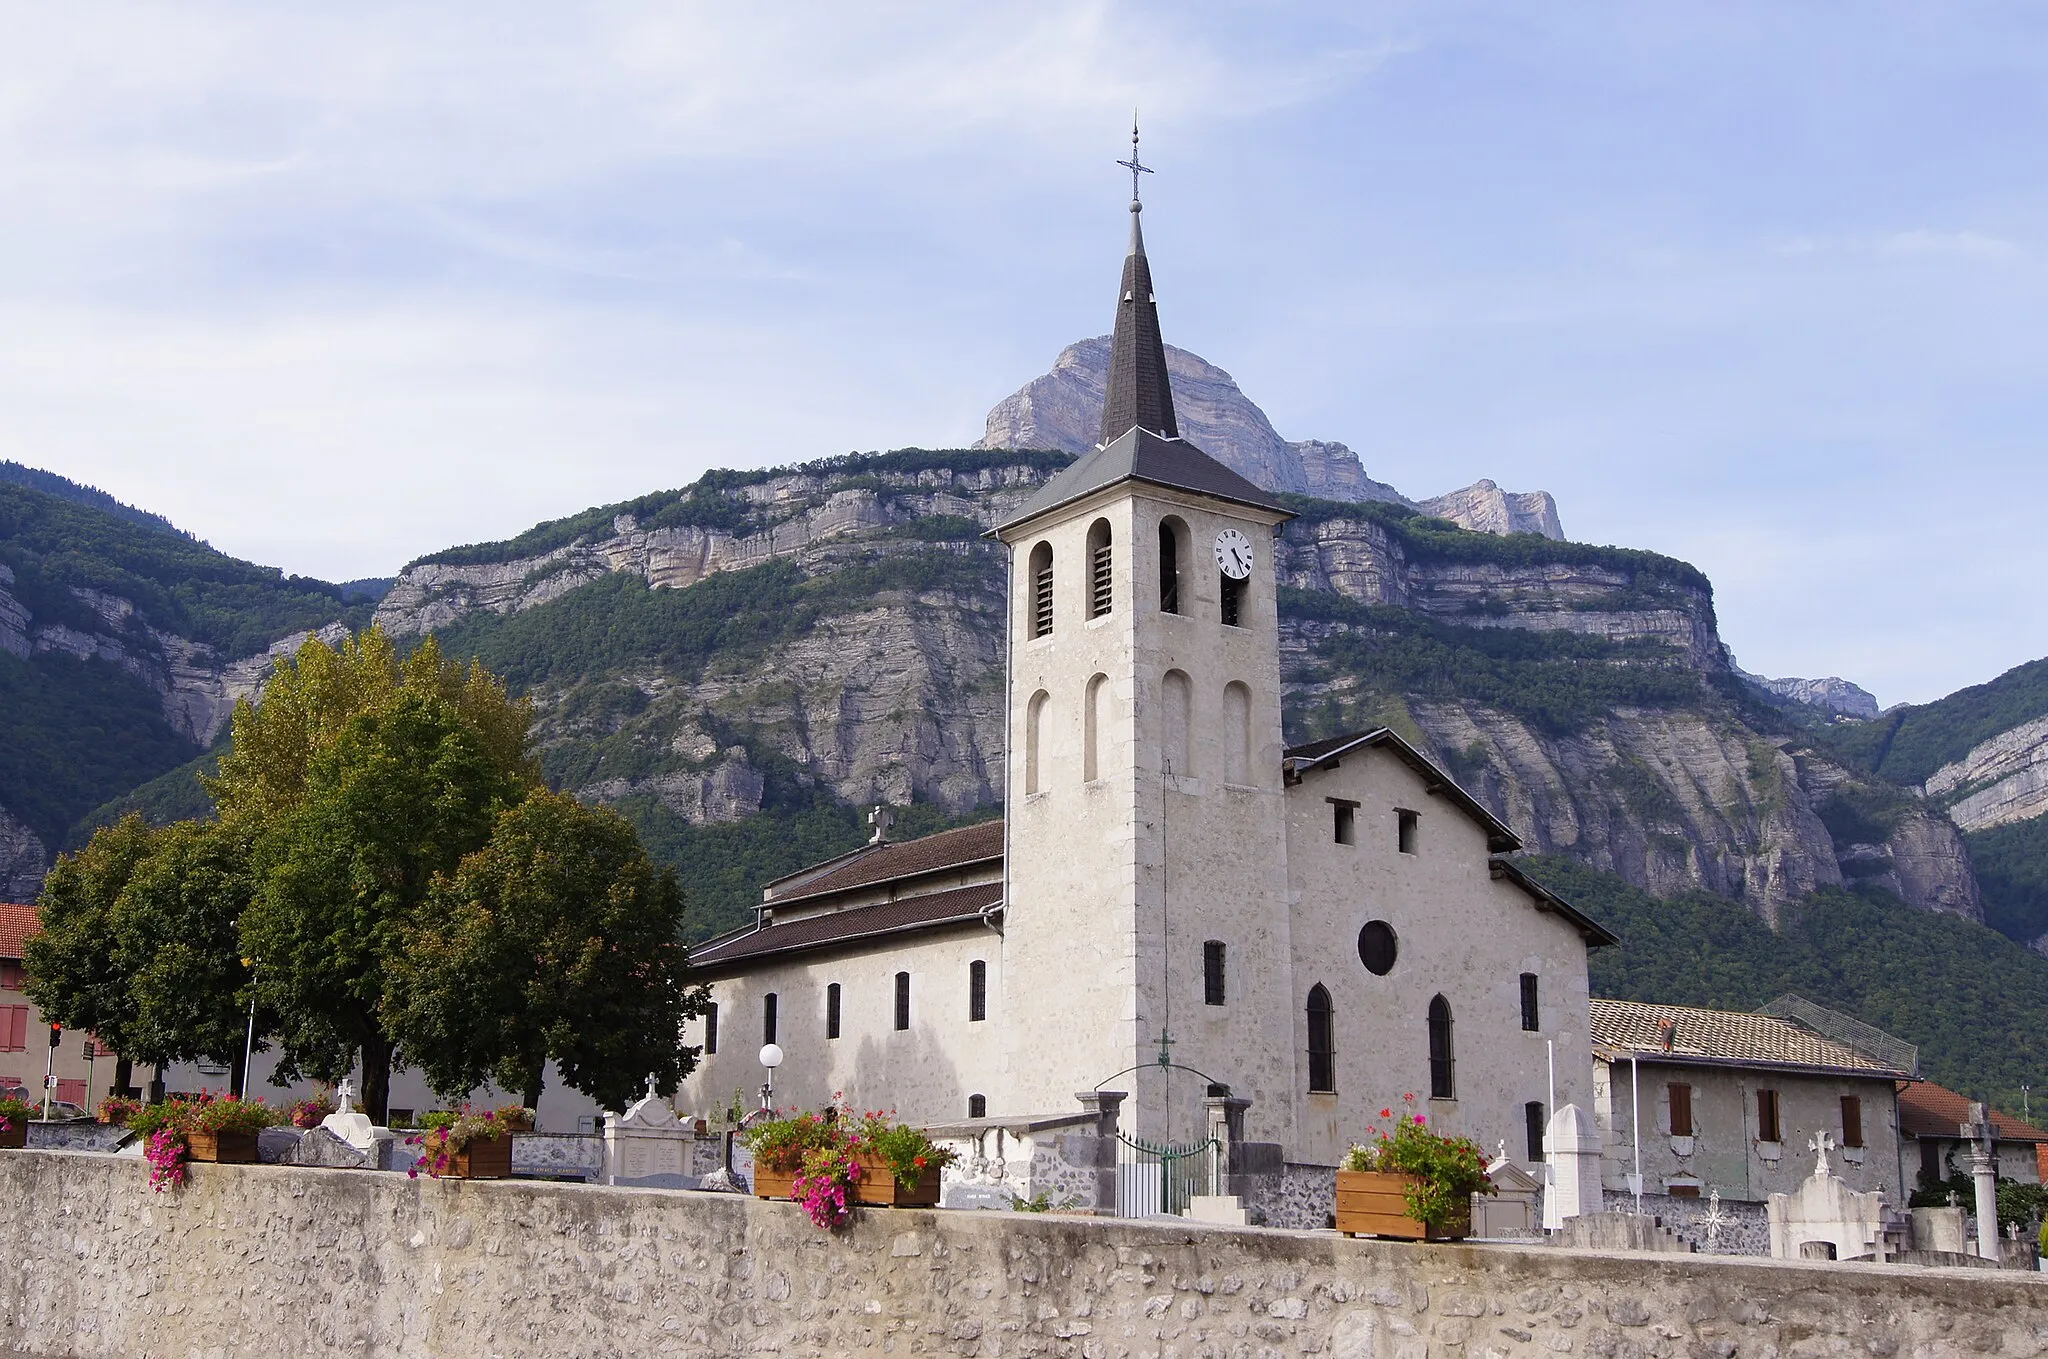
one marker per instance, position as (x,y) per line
(648,1146)
(1573,1163)
(354,1127)
(1824,1219)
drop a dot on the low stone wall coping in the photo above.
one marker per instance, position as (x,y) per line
(261,1260)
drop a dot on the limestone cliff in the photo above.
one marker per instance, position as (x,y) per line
(2002,780)
(897,694)
(1063,409)
(23,860)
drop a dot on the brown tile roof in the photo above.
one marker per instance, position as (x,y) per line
(879,863)
(1930,1110)
(17,923)
(959,905)
(1722,1036)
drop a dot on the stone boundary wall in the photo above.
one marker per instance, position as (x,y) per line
(268,1260)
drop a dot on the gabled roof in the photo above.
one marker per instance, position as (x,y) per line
(17,923)
(871,864)
(960,906)
(1140,455)
(1930,1110)
(1328,753)
(1621,1028)
(1595,933)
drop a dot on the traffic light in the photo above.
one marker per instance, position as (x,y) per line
(56,1032)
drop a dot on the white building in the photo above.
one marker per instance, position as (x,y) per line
(1322,929)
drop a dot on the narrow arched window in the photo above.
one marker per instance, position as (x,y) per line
(1237,734)
(1095,718)
(768,1018)
(1041,590)
(977,991)
(1443,1065)
(1322,1041)
(902,1000)
(1212,972)
(711,1029)
(832,1010)
(1179,694)
(1532,1018)
(977,1106)
(1534,1124)
(1034,729)
(1100,593)
(1169,565)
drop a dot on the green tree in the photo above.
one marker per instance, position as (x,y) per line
(560,938)
(399,794)
(74,974)
(177,944)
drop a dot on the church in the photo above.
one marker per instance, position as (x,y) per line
(1176,904)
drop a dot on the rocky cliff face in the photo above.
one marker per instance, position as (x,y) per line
(900,696)
(1835,696)
(23,860)
(2002,780)
(1063,409)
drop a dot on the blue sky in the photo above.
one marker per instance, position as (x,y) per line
(1760,286)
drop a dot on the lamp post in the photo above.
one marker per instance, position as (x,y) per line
(50,1070)
(771,1057)
(249,1042)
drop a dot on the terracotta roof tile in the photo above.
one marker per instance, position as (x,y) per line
(17,923)
(879,863)
(859,922)
(1722,1036)
(1927,1109)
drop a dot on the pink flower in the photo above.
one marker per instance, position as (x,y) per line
(1420,1120)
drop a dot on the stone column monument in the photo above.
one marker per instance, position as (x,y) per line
(1978,1130)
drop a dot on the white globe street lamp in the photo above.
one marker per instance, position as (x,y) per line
(771,1057)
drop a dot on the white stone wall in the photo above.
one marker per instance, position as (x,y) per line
(1724,1151)
(1461,934)
(925,1073)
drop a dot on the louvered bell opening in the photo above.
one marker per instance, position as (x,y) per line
(1099,595)
(1041,603)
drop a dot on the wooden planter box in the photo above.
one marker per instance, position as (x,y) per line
(773,1184)
(484,1158)
(879,1188)
(16,1137)
(226,1148)
(1373,1204)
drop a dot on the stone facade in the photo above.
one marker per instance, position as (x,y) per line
(259,1260)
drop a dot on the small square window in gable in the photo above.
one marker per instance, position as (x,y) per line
(1406,833)
(1345,816)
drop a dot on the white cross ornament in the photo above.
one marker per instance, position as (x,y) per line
(342,1094)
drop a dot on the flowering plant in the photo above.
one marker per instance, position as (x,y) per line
(166,1153)
(905,1150)
(449,1131)
(824,1185)
(517,1117)
(117,1110)
(1444,1170)
(781,1144)
(14,1113)
(229,1114)
(312,1112)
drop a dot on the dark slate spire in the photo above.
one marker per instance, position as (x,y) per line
(1139,395)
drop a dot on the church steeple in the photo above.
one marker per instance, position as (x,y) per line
(1139,394)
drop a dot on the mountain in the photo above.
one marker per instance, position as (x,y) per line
(1062,409)
(760,639)
(123,646)
(1980,755)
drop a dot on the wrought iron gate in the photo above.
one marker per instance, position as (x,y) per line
(1152,1179)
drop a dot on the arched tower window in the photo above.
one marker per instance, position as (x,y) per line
(1094,723)
(1100,592)
(1237,733)
(1172,532)
(1034,728)
(1443,1065)
(1232,594)
(1041,590)
(1322,1041)
(1179,694)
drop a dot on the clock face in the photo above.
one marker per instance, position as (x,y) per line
(1234,554)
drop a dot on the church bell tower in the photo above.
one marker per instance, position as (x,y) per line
(1146,927)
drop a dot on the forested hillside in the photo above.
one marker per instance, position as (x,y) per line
(123,642)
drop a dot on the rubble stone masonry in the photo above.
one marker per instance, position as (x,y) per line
(268,1260)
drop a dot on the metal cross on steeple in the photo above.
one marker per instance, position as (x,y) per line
(1133,164)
